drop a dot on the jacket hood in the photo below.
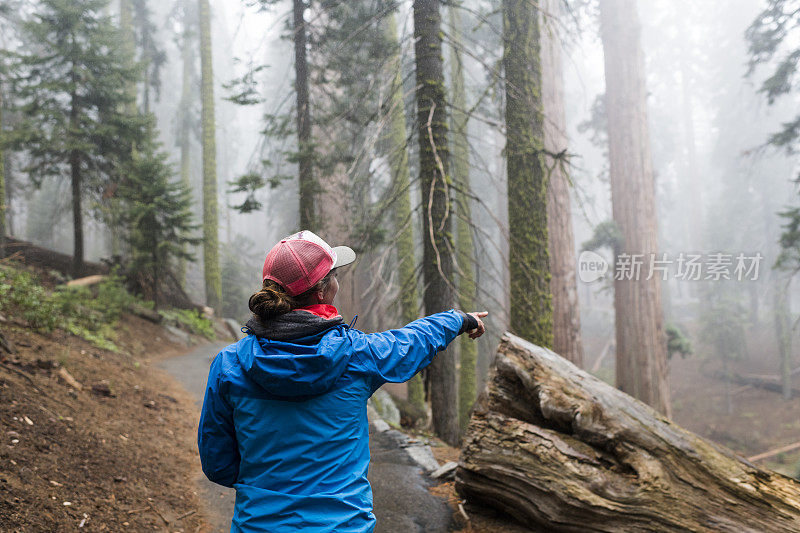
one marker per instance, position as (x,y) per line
(296,355)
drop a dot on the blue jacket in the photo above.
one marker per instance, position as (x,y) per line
(284,421)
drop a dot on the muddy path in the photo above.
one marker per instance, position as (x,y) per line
(400,489)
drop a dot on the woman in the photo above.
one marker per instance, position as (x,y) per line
(284,418)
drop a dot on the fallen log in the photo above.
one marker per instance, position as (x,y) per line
(776,451)
(560,450)
(87,281)
(768,383)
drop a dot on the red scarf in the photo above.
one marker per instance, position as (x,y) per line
(325,311)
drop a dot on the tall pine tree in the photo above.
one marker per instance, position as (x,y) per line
(436,185)
(73,101)
(157,211)
(213,276)
(531,305)
(563,284)
(641,340)
(465,249)
(305,145)
(397,148)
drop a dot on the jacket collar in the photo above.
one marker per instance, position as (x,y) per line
(293,325)
(326,311)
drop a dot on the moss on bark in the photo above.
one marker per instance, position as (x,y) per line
(436,189)
(213,276)
(531,305)
(465,249)
(404,239)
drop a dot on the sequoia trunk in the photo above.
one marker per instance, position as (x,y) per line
(563,284)
(210,217)
(641,341)
(531,305)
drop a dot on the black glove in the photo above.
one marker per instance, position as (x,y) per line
(470,322)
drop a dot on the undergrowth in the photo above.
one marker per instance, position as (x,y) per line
(87,312)
(192,320)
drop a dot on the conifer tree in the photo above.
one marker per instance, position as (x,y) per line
(72,101)
(563,284)
(305,146)
(401,177)
(531,305)
(157,211)
(213,277)
(641,358)
(436,185)
(2,178)
(465,249)
(186,117)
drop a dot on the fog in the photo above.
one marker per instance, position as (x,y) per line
(719,182)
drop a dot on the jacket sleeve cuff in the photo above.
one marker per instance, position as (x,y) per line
(470,322)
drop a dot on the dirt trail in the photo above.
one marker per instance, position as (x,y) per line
(191,371)
(402,501)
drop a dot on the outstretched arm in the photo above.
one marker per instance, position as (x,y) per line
(396,355)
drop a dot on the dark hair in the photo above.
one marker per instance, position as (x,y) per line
(273,300)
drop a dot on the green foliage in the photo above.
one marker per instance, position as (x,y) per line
(249,184)
(606,234)
(72,99)
(158,212)
(245,89)
(677,342)
(772,39)
(789,258)
(192,320)
(21,291)
(723,324)
(89,313)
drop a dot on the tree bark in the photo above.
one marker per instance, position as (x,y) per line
(436,188)
(641,341)
(129,47)
(213,278)
(563,283)
(783,330)
(304,143)
(531,305)
(397,150)
(75,176)
(465,249)
(563,451)
(185,116)
(2,182)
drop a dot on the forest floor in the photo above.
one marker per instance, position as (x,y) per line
(109,451)
(756,420)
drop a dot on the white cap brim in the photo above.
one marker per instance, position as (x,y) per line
(344,256)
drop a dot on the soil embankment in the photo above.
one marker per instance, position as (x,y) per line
(94,440)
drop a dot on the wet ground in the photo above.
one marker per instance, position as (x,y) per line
(401,499)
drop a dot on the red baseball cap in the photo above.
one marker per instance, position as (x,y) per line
(299,261)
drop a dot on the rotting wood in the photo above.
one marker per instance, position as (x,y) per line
(563,451)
